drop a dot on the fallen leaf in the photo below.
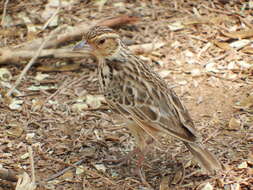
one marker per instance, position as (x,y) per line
(38,88)
(16,104)
(207,186)
(164,185)
(37,104)
(239,34)
(240,44)
(100,167)
(235,186)
(100,4)
(211,67)
(88,101)
(40,76)
(248,50)
(222,45)
(234,123)
(175,26)
(177,177)
(244,64)
(207,19)
(24,156)
(146,48)
(246,103)
(78,107)
(14,130)
(25,183)
(243,165)
(79,170)
(67,175)
(196,72)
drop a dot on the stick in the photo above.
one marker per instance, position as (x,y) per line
(10,56)
(77,32)
(30,151)
(4,13)
(64,171)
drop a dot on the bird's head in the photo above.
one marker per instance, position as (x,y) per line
(101,41)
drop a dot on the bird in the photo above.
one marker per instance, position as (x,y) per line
(134,90)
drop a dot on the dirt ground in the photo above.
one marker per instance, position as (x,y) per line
(205,56)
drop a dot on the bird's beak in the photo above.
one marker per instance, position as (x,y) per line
(82,46)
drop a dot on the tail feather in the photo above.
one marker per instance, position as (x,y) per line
(205,158)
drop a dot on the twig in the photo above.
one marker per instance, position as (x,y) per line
(30,151)
(27,67)
(15,56)
(64,170)
(73,166)
(77,32)
(53,16)
(4,13)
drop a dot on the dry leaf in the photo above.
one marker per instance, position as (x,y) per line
(16,104)
(239,34)
(164,183)
(222,45)
(234,123)
(211,67)
(235,186)
(177,177)
(38,88)
(25,183)
(246,103)
(248,50)
(14,130)
(67,175)
(239,44)
(100,167)
(243,165)
(40,76)
(80,170)
(207,186)
(146,48)
(207,19)
(88,101)
(100,4)
(37,104)
(176,26)
(24,156)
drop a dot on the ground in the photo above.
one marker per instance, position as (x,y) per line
(63,117)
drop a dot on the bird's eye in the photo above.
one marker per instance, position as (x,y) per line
(100,42)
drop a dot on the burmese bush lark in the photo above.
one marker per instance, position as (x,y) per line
(141,96)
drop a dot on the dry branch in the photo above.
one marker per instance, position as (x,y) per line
(77,32)
(10,56)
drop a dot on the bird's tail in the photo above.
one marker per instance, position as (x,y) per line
(205,158)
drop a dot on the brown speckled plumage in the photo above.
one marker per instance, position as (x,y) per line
(139,94)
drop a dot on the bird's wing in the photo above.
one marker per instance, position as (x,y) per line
(156,111)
